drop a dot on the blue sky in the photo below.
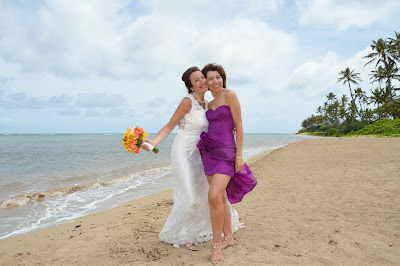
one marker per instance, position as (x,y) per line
(99,66)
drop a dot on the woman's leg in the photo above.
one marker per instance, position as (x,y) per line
(228,241)
(217,201)
(227,229)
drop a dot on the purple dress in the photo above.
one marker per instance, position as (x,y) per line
(218,152)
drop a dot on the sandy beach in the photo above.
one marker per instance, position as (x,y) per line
(327,201)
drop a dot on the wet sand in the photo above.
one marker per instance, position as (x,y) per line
(320,201)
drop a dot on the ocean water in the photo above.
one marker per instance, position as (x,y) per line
(48,179)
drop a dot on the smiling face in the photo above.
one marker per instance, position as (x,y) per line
(199,83)
(214,80)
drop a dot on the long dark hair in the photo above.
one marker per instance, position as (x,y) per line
(186,77)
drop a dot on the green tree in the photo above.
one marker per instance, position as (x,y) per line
(343,115)
(377,75)
(380,96)
(362,101)
(342,107)
(330,109)
(382,52)
(386,53)
(312,123)
(320,110)
(390,72)
(348,76)
(394,46)
(331,97)
(386,107)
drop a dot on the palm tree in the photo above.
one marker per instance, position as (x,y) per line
(390,71)
(331,97)
(382,52)
(342,107)
(344,100)
(335,111)
(381,98)
(348,77)
(394,44)
(376,97)
(331,107)
(320,111)
(325,108)
(378,75)
(362,100)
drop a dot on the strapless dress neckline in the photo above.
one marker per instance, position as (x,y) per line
(217,108)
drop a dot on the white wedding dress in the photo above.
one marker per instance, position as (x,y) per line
(189,220)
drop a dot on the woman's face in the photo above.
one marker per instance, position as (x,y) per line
(199,83)
(214,80)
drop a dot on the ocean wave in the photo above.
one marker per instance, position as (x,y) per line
(255,149)
(24,199)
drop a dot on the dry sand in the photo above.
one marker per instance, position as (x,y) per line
(322,201)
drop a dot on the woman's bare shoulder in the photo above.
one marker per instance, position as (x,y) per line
(230,95)
(185,105)
(186,100)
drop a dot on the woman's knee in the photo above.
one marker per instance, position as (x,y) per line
(214,197)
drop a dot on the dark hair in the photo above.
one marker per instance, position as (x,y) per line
(186,77)
(215,67)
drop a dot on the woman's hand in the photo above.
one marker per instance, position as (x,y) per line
(239,164)
(146,147)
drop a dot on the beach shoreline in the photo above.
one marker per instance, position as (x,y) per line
(318,201)
(47,188)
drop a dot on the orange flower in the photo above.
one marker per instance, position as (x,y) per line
(132,145)
(136,133)
(135,149)
(133,138)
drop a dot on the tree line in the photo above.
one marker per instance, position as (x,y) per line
(339,116)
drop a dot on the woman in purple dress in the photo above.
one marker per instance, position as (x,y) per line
(189,221)
(229,177)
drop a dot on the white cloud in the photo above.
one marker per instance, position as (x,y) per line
(319,76)
(80,38)
(344,14)
(96,41)
(251,52)
(68,112)
(65,37)
(315,75)
(99,100)
(254,7)
(113,63)
(61,99)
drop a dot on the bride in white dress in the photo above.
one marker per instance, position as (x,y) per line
(189,222)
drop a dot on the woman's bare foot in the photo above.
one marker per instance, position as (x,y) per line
(228,241)
(216,257)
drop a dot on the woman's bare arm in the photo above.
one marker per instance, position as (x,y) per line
(183,108)
(236,112)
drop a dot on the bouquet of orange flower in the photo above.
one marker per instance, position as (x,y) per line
(133,138)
